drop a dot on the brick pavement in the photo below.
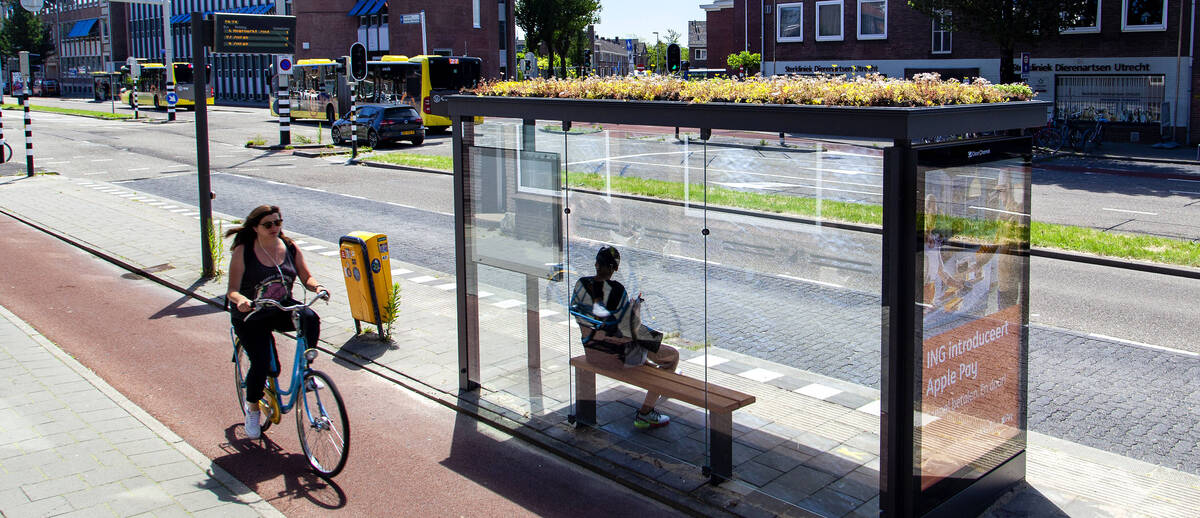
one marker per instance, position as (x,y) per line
(811,441)
(71,445)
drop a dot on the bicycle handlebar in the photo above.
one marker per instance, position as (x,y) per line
(259,304)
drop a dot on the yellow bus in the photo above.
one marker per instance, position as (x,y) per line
(317,88)
(151,86)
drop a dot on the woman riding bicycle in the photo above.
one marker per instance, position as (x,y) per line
(265,264)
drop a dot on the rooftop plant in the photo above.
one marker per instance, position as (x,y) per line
(869,90)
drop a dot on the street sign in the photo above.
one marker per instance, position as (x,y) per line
(172,98)
(283,64)
(1024,63)
(628,45)
(32,6)
(254,33)
(410,18)
(135,68)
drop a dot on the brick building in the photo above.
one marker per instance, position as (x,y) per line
(697,43)
(1131,61)
(478,28)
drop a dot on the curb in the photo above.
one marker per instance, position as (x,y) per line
(277,147)
(1175,271)
(240,490)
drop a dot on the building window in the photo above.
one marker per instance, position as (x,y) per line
(1088,22)
(1144,15)
(872,19)
(789,20)
(475,14)
(1126,98)
(941,34)
(700,54)
(830,20)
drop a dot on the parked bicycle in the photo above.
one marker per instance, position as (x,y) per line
(321,420)
(1053,136)
(1089,134)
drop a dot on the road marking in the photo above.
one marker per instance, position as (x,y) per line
(505,304)
(1000,211)
(56,162)
(1186,192)
(331,253)
(872,408)
(396,272)
(102,160)
(422,279)
(180,211)
(310,248)
(802,279)
(818,391)
(313,189)
(1168,179)
(140,169)
(1145,345)
(760,375)
(447,287)
(95,173)
(1131,211)
(353,196)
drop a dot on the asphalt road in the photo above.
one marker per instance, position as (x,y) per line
(170,356)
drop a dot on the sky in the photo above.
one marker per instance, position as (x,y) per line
(640,18)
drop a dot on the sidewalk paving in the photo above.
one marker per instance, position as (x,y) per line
(835,438)
(72,445)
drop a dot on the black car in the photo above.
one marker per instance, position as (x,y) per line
(379,123)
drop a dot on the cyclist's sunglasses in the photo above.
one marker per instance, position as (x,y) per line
(272,224)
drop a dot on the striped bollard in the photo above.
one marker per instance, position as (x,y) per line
(133,96)
(353,125)
(2,159)
(28,137)
(284,101)
(170,105)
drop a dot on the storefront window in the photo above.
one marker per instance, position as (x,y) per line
(872,19)
(1144,15)
(1087,21)
(790,22)
(1133,98)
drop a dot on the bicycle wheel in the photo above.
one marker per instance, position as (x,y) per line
(322,424)
(1049,139)
(241,365)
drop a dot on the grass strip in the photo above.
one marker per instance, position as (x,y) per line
(71,111)
(444,163)
(1042,235)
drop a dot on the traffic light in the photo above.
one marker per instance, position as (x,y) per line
(358,61)
(673,58)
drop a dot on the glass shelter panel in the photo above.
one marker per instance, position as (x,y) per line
(515,250)
(973,312)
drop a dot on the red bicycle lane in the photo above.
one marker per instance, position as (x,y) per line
(170,355)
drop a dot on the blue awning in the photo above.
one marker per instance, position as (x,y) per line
(82,28)
(359,6)
(374,9)
(264,9)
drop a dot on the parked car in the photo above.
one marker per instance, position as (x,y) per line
(45,87)
(381,123)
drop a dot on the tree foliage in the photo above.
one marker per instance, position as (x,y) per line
(555,24)
(745,61)
(24,30)
(1009,23)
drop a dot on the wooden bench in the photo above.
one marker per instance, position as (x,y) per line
(721,402)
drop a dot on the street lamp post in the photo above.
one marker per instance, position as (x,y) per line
(656,60)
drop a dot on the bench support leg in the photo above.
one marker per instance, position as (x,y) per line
(585,397)
(721,445)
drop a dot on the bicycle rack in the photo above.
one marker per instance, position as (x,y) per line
(3,146)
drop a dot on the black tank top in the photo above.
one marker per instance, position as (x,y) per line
(264,281)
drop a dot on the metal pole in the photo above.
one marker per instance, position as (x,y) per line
(424,44)
(28,132)
(2,159)
(353,126)
(284,100)
(200,84)
(169,60)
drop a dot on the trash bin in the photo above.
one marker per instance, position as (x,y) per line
(368,274)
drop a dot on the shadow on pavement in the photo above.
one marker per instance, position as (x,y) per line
(1027,502)
(367,345)
(255,461)
(183,307)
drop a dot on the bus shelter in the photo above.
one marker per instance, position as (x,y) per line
(867,285)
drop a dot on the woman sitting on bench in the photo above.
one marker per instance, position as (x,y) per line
(612,333)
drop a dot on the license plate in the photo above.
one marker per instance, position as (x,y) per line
(409,132)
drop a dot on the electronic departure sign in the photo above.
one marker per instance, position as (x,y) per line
(254,33)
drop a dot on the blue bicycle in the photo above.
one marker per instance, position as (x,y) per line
(321,421)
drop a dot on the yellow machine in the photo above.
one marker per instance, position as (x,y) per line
(368,273)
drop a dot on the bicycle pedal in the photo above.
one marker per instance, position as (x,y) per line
(315,384)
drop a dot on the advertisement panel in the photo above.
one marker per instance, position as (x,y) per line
(974,223)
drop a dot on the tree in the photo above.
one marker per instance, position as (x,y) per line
(744,61)
(555,24)
(24,30)
(1008,23)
